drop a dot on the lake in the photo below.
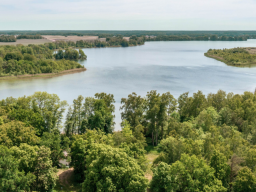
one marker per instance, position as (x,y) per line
(176,66)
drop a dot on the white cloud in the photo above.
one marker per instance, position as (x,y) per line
(128,14)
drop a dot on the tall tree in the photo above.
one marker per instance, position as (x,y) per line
(133,109)
(153,108)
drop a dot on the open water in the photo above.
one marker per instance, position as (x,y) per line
(176,67)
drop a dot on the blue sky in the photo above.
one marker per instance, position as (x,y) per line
(128,15)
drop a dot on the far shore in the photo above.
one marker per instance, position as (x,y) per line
(44,75)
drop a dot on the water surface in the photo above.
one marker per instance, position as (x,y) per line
(177,67)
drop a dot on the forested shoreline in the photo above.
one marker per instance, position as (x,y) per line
(128,33)
(115,38)
(36,59)
(204,142)
(198,38)
(235,56)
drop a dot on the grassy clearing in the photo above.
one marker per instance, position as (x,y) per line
(151,155)
(27,42)
(67,182)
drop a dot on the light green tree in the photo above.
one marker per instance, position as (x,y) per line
(36,160)
(11,178)
(245,181)
(189,174)
(109,169)
(15,132)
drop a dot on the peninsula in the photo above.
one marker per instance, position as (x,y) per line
(37,61)
(235,57)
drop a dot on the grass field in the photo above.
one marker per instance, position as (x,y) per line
(27,41)
(70,38)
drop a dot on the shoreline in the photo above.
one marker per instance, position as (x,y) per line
(43,75)
(229,64)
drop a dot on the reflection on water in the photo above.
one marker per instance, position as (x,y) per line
(177,67)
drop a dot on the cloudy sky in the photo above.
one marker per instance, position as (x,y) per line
(128,14)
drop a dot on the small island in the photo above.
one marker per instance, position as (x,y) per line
(235,57)
(38,61)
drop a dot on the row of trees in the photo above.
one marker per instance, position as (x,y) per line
(235,56)
(206,143)
(29,37)
(70,54)
(7,38)
(197,38)
(36,59)
(110,42)
(139,33)
(12,38)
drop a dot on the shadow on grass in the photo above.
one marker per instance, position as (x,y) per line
(67,182)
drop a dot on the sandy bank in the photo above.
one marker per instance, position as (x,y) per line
(44,75)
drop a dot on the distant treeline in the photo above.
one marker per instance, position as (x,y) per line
(110,42)
(197,38)
(6,38)
(104,33)
(29,37)
(11,38)
(33,59)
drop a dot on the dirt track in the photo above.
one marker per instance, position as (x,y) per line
(65,176)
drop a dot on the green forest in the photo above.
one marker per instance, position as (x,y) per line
(199,142)
(113,37)
(110,42)
(235,56)
(36,59)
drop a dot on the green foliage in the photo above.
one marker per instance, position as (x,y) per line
(132,143)
(53,142)
(188,174)
(245,181)
(36,160)
(41,110)
(222,169)
(110,169)
(81,146)
(30,118)
(133,109)
(11,178)
(34,59)
(235,56)
(29,37)
(94,113)
(14,133)
(172,149)
(219,128)
(7,38)
(70,54)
